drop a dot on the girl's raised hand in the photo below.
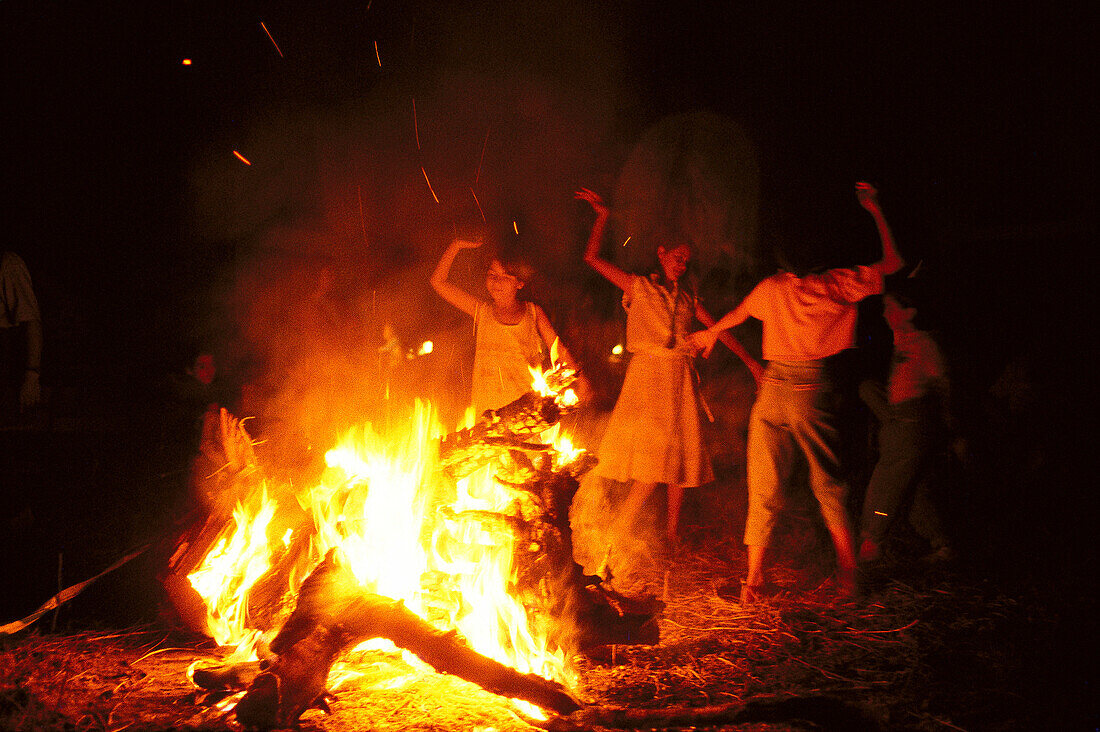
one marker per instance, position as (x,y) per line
(593,199)
(868,196)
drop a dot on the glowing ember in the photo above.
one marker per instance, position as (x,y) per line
(478,205)
(273,43)
(429,183)
(242,158)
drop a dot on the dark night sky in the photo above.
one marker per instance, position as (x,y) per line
(972,122)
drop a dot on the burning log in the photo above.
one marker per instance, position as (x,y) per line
(511,425)
(581,611)
(333,612)
(333,615)
(463,452)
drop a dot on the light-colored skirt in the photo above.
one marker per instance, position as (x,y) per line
(655,432)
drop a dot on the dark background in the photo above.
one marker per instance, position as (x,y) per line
(139,226)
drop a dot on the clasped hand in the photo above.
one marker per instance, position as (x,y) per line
(702,341)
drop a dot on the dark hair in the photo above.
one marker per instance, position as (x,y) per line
(911,292)
(518,267)
(657,272)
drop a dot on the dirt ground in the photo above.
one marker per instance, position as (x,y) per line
(925,648)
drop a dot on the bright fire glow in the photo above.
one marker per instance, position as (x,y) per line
(404,530)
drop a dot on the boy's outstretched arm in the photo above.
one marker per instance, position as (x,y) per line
(592,258)
(754,366)
(458,297)
(705,339)
(891,260)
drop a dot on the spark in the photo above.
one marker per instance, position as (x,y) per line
(429,183)
(273,43)
(628,239)
(482,158)
(416,127)
(478,204)
(376,54)
(515,226)
(362,221)
(186,62)
(242,158)
(880,513)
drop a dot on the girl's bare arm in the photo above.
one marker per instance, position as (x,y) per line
(453,294)
(613,274)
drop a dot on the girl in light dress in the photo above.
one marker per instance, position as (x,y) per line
(654,434)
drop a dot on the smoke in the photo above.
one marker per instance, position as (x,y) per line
(482,122)
(347,204)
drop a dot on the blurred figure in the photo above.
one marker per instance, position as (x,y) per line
(192,399)
(20,341)
(913,410)
(809,319)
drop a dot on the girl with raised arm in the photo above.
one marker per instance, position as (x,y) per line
(655,431)
(511,335)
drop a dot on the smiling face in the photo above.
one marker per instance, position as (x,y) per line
(502,286)
(674,261)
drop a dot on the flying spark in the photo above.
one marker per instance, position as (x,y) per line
(482,158)
(416,127)
(362,221)
(515,226)
(273,43)
(628,239)
(186,62)
(429,183)
(478,204)
(376,54)
(242,158)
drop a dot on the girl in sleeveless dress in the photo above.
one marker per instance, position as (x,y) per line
(511,334)
(655,431)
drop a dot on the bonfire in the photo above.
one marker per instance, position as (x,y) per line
(455,548)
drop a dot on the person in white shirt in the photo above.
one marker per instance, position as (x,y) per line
(808,318)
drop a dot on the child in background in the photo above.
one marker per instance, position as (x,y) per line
(511,335)
(914,416)
(654,434)
(808,318)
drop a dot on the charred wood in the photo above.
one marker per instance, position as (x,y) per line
(334,615)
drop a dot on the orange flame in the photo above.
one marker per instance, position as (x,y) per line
(376,503)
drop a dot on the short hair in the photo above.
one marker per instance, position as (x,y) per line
(912,292)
